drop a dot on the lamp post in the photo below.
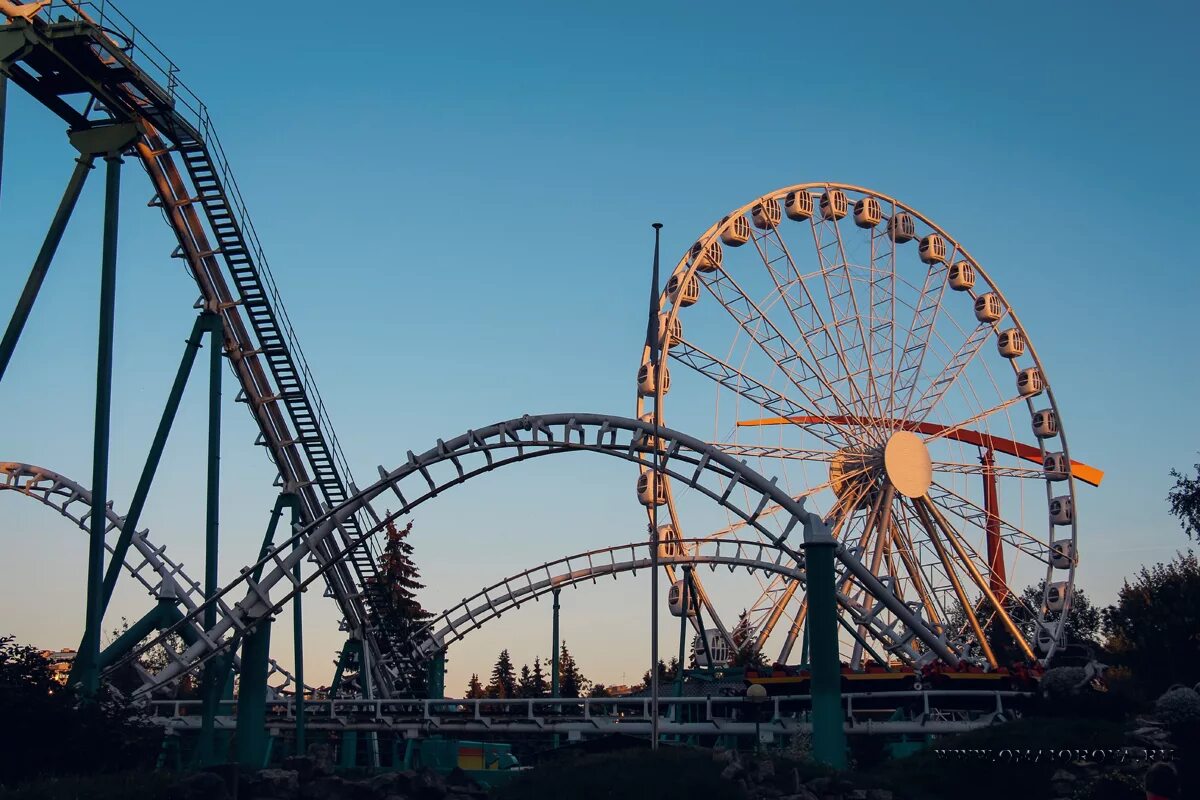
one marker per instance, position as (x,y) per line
(756,695)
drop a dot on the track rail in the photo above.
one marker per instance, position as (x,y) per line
(157,572)
(90,49)
(685,460)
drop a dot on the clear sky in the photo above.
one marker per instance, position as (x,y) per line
(456,201)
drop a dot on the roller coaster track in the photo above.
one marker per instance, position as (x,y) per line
(90,50)
(685,461)
(157,572)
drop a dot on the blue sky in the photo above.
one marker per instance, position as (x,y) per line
(456,202)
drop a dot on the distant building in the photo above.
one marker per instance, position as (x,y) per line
(60,664)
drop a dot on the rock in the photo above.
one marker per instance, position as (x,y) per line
(393,783)
(321,756)
(334,788)
(271,783)
(200,786)
(818,785)
(307,767)
(428,785)
(732,771)
(802,794)
(857,794)
(722,756)
(764,770)
(879,794)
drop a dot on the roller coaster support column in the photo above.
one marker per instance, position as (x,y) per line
(554,660)
(41,264)
(216,672)
(3,116)
(252,696)
(829,738)
(298,636)
(204,322)
(213,506)
(109,141)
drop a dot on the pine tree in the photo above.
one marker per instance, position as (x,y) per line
(539,685)
(571,682)
(474,688)
(503,683)
(525,683)
(744,652)
(401,614)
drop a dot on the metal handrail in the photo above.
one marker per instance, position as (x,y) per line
(160,69)
(484,708)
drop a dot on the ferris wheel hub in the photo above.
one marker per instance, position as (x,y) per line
(907,464)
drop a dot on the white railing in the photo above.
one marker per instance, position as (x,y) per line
(928,711)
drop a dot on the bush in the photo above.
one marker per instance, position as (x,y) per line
(1062,682)
(56,734)
(1178,708)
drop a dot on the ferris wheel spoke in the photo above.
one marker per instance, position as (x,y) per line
(881,320)
(931,529)
(949,375)
(903,546)
(839,292)
(838,517)
(744,385)
(953,468)
(813,325)
(771,451)
(975,515)
(977,576)
(751,318)
(916,340)
(972,421)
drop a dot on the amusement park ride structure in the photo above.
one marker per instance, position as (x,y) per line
(822,354)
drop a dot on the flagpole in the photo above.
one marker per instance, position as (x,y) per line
(652,340)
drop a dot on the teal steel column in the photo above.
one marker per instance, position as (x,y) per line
(213,507)
(157,446)
(89,671)
(217,670)
(3,115)
(41,264)
(252,696)
(829,737)
(554,657)
(298,635)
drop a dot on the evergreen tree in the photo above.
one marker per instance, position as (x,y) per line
(475,688)
(540,686)
(744,652)
(666,673)
(525,683)
(504,682)
(571,682)
(400,613)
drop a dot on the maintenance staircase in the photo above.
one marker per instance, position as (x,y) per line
(93,48)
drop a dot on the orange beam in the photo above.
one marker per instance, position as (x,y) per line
(1088,474)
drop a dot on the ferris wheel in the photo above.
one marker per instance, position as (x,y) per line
(839,340)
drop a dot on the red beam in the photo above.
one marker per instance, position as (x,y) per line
(1088,474)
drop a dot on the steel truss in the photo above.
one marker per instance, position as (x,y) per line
(685,461)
